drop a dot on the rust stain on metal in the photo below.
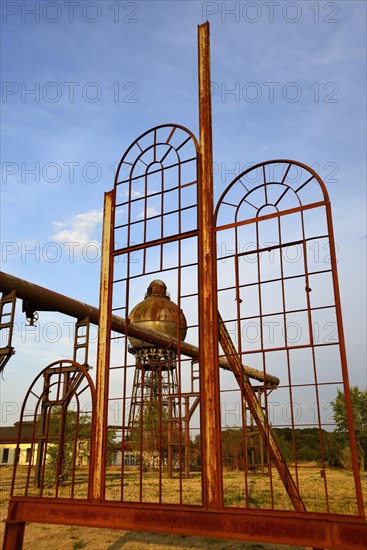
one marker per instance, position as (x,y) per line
(343,356)
(209,372)
(99,441)
(333,532)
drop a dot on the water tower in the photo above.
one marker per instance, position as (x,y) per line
(155,377)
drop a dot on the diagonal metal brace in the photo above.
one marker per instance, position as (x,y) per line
(257,412)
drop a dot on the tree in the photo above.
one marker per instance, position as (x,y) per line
(195,453)
(359,408)
(334,446)
(233,448)
(74,451)
(283,437)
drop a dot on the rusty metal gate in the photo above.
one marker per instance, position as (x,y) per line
(232,338)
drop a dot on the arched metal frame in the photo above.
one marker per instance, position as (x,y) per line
(291,201)
(62,431)
(155,236)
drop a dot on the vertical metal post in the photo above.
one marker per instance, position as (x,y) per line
(99,440)
(40,459)
(169,439)
(344,367)
(187,437)
(208,331)
(14,535)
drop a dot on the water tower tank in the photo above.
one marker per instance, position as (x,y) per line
(157,312)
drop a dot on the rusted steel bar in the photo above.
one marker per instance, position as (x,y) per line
(14,534)
(41,296)
(259,417)
(103,352)
(331,531)
(343,361)
(208,309)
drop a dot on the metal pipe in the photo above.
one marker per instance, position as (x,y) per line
(43,297)
(210,433)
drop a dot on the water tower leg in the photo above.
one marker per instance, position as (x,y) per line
(169,439)
(187,438)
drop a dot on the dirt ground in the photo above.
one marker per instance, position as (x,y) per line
(44,537)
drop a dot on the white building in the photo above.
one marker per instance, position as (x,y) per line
(8,444)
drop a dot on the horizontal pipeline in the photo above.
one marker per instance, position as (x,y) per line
(42,297)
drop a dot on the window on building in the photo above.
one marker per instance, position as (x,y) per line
(5,456)
(28,454)
(130,459)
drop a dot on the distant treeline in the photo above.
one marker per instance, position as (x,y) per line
(309,443)
(307,446)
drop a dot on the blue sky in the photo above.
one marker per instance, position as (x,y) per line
(289,81)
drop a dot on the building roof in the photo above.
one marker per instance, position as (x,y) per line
(10,434)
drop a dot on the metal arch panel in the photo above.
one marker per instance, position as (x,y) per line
(154,234)
(276,172)
(171,129)
(274,229)
(58,410)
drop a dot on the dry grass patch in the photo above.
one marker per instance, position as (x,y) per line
(258,491)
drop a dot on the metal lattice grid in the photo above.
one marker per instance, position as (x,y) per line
(279,300)
(155,235)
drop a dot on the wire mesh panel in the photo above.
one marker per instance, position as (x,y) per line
(57,414)
(153,412)
(279,302)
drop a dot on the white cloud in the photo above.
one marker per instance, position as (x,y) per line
(79,229)
(149,213)
(134,194)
